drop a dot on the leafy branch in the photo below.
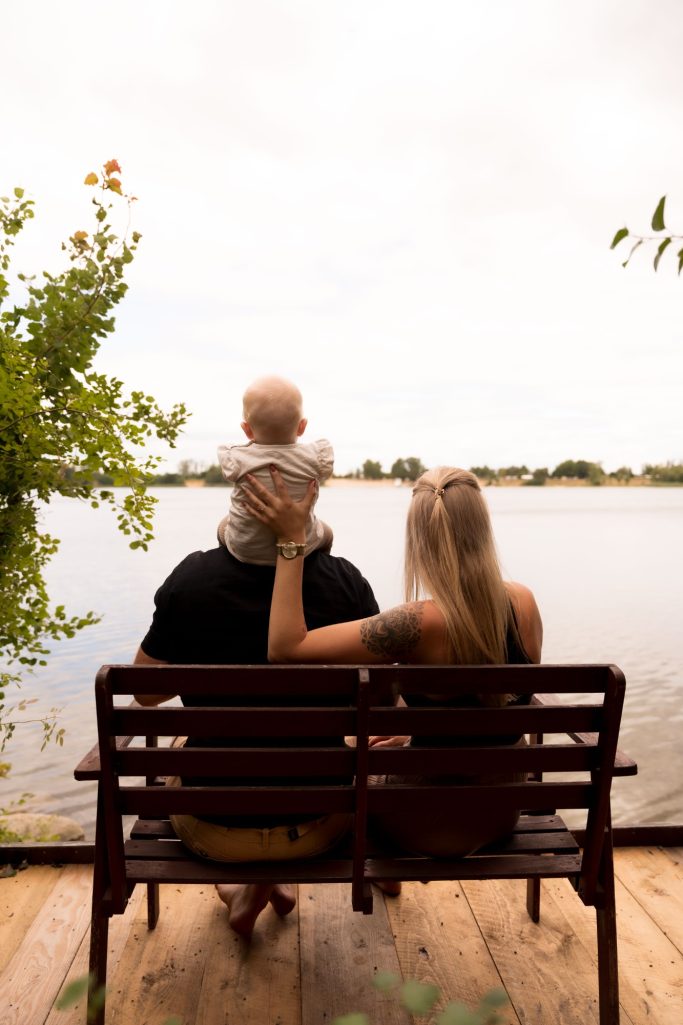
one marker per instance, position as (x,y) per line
(658,226)
(63,425)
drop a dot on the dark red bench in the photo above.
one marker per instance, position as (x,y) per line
(577,737)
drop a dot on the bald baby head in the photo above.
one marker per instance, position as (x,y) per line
(272,409)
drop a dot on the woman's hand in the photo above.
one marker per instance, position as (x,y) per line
(287,519)
(388,741)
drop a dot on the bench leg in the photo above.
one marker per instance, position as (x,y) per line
(608,964)
(152,904)
(99,936)
(533,899)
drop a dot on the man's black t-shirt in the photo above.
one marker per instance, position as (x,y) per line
(214,610)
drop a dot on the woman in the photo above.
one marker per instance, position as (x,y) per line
(471,616)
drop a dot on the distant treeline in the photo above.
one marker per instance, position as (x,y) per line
(569,469)
(411,468)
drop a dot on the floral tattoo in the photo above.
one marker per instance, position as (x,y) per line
(395,633)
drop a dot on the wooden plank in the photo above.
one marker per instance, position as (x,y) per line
(65,852)
(21,898)
(650,966)
(547,971)
(656,882)
(159,973)
(340,952)
(250,983)
(438,941)
(120,929)
(29,983)
(194,966)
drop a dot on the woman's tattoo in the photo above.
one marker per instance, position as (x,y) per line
(394,633)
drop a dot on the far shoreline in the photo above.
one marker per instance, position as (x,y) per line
(509,482)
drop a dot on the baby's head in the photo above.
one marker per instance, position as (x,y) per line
(272,408)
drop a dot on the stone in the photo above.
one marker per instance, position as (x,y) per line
(36,826)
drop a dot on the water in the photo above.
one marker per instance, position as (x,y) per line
(605,564)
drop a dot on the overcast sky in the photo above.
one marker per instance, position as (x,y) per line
(406,207)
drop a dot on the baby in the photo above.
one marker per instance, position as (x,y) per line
(272,411)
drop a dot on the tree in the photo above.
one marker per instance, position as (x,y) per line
(483,472)
(372,470)
(214,475)
(62,423)
(538,477)
(669,473)
(399,469)
(624,473)
(415,468)
(664,240)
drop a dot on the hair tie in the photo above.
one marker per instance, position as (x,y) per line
(438,492)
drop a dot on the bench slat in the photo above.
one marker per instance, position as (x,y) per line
(234,722)
(152,803)
(485,722)
(235,762)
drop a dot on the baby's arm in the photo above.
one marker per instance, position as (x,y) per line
(325,454)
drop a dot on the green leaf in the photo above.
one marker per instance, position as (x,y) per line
(352,1019)
(680,260)
(633,249)
(494,998)
(385,981)
(175,1019)
(658,216)
(662,247)
(19,193)
(621,234)
(458,1014)
(419,997)
(72,993)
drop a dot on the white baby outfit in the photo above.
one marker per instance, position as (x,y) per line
(246,538)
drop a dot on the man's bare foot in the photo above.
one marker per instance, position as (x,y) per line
(244,902)
(282,898)
(392,887)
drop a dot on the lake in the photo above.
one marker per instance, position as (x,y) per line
(605,564)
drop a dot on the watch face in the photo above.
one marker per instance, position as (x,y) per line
(289,550)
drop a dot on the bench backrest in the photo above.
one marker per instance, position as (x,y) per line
(304,711)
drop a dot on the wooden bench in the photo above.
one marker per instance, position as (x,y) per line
(292,705)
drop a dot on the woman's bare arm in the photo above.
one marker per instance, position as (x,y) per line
(392,636)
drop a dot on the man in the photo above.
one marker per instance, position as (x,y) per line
(214,610)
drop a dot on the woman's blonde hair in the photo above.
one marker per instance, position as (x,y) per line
(451,557)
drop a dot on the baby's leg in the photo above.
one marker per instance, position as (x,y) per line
(223,530)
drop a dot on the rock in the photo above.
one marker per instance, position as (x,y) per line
(34,826)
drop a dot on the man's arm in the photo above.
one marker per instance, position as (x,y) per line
(143,659)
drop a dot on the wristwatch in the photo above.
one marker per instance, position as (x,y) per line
(290,549)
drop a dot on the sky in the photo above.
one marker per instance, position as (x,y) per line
(405,207)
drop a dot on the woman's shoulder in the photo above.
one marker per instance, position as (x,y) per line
(528,617)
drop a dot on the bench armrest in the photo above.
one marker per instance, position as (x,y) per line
(89,766)
(624,765)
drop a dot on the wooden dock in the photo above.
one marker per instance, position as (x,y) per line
(318,963)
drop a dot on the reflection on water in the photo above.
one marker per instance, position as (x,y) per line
(606,567)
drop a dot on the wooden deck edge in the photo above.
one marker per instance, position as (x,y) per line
(74,852)
(80,852)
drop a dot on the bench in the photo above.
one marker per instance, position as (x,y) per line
(293,707)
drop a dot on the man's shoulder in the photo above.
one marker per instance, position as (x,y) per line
(202,566)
